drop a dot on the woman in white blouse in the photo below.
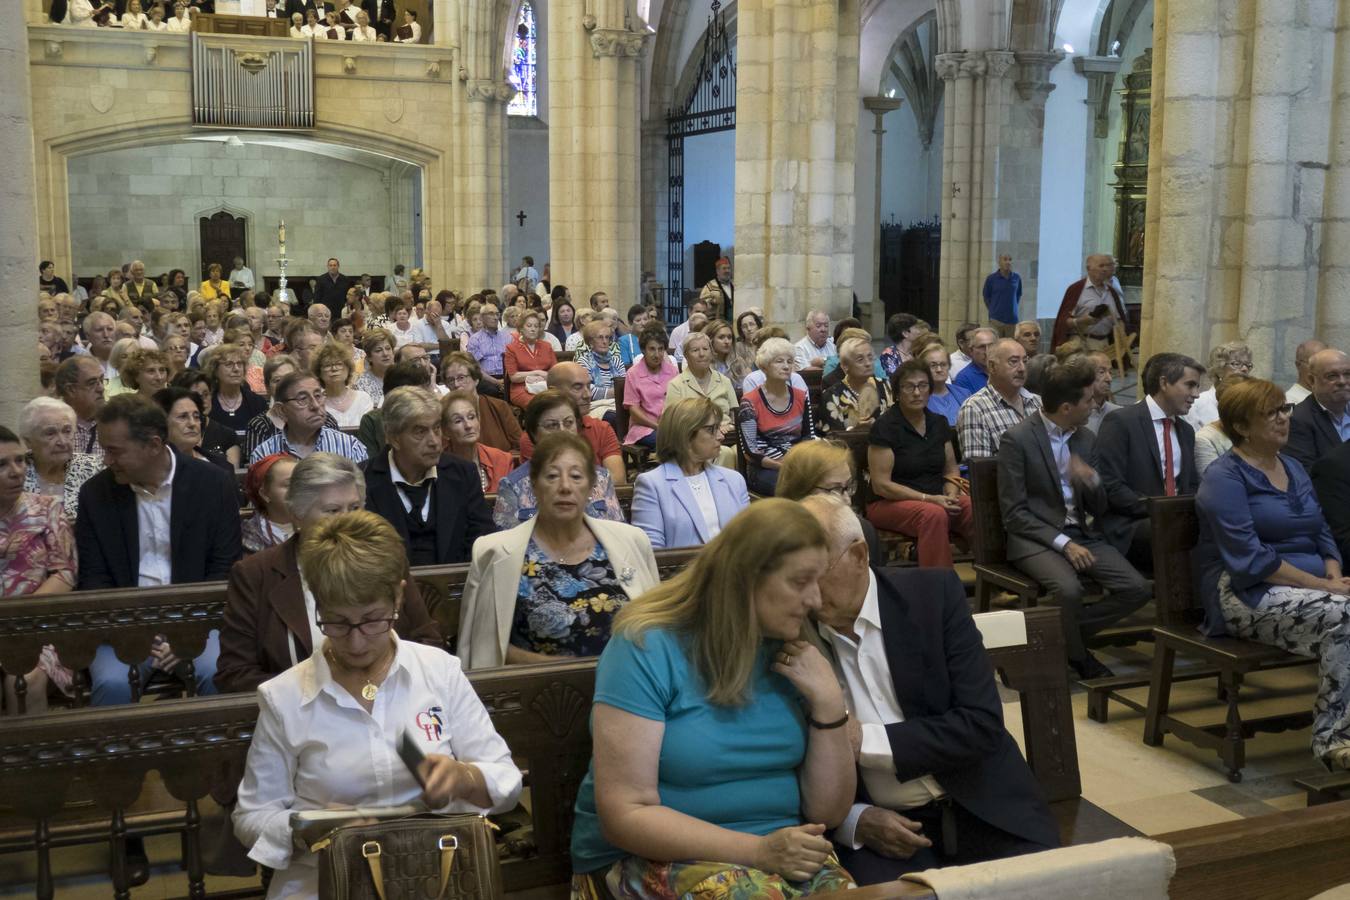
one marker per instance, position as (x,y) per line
(298,26)
(329,728)
(157,22)
(180,23)
(363,31)
(312,25)
(330,30)
(134,19)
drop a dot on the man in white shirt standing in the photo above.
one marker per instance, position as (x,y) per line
(241,276)
(941,782)
(813,349)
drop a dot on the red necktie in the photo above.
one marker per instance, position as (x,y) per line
(1169,480)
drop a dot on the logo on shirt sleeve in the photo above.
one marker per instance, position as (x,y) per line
(429,720)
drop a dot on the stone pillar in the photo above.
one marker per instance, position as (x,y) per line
(481,179)
(878,107)
(655,198)
(1333,313)
(18,230)
(1239,159)
(594,148)
(796,125)
(993,133)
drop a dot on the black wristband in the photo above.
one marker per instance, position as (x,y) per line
(826,726)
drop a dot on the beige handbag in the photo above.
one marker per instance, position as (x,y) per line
(425,857)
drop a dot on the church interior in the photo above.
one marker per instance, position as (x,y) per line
(871,162)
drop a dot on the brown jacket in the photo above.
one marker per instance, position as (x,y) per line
(497,424)
(265,610)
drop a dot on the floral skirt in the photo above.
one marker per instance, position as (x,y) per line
(639,879)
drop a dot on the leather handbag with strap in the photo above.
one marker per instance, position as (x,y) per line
(424,857)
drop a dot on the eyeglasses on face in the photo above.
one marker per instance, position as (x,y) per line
(1284,410)
(842,491)
(369,628)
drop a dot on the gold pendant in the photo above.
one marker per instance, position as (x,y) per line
(369,691)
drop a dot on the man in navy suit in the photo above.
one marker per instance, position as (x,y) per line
(151,518)
(1147,449)
(941,782)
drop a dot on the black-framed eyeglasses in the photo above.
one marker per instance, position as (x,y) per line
(1286,410)
(843,491)
(370,628)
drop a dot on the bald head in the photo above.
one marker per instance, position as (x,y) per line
(573,379)
(1302,354)
(1007,366)
(1330,371)
(1100,267)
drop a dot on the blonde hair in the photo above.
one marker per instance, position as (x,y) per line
(591,330)
(331,352)
(353,559)
(712,602)
(679,422)
(805,465)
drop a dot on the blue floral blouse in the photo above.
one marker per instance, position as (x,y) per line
(565,610)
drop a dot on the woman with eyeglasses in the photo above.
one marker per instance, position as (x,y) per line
(859,397)
(824,467)
(233,405)
(551,585)
(550,412)
(269,607)
(688,499)
(1270,569)
(55,468)
(329,729)
(914,473)
(334,368)
(1234,357)
(946,398)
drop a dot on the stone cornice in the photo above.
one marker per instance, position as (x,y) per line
(488,90)
(618,42)
(951,66)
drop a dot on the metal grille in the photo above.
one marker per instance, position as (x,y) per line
(709,108)
(249,82)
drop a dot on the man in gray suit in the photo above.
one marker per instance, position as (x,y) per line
(1050,499)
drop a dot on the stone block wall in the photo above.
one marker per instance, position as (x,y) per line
(145,203)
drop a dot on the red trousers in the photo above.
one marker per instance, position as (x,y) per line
(929,524)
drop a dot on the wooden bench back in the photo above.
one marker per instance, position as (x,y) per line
(856,442)
(990,544)
(1175,533)
(125,618)
(620,411)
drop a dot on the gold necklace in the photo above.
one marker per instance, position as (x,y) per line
(370,689)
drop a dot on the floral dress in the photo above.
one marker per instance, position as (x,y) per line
(565,610)
(840,406)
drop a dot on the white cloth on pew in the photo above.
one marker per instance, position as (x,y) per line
(1002,628)
(1133,867)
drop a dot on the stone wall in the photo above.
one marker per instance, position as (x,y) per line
(145,203)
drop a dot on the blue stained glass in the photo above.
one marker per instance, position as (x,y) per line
(523,70)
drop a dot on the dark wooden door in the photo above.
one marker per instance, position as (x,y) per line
(222,239)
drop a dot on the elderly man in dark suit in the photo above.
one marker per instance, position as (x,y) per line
(1147,450)
(1331,480)
(152,518)
(269,615)
(435,500)
(1049,496)
(941,782)
(1321,422)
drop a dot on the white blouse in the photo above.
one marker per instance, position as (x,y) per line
(157,26)
(135,21)
(321,33)
(707,504)
(176,24)
(367,35)
(361,403)
(298,31)
(314,747)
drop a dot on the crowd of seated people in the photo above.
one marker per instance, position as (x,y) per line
(498,457)
(373,21)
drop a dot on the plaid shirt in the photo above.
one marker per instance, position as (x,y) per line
(985,416)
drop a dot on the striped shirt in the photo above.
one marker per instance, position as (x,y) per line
(769,432)
(984,418)
(329,441)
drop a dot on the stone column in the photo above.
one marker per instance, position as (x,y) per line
(481,225)
(655,198)
(796,124)
(878,107)
(594,148)
(1333,314)
(18,230)
(1240,156)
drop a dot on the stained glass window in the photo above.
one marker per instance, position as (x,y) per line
(523,71)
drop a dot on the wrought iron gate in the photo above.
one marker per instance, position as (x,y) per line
(709,108)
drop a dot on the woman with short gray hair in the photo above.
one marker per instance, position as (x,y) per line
(55,469)
(269,609)
(1230,358)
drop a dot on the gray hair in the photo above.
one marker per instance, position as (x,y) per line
(771,348)
(406,405)
(93,317)
(1221,355)
(36,409)
(120,349)
(316,473)
(812,313)
(693,336)
(842,528)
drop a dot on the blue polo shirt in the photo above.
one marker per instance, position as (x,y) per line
(1002,296)
(971,379)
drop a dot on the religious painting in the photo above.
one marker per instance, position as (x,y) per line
(1131,171)
(523,65)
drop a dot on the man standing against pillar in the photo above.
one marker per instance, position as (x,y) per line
(1091,306)
(1003,296)
(719,292)
(331,289)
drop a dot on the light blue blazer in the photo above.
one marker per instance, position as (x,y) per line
(665,508)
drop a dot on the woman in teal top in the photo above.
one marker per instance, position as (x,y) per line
(721,753)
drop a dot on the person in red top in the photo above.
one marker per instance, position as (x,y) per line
(574,380)
(527,359)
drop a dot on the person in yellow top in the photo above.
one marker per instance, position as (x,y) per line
(214,287)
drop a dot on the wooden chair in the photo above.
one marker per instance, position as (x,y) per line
(448,346)
(566,355)
(1121,345)
(899,548)
(1175,535)
(993,572)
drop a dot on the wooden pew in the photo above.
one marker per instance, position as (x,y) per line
(541,712)
(77,623)
(1282,856)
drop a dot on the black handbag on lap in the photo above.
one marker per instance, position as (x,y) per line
(426,857)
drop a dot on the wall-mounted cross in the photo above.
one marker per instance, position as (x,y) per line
(521,217)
